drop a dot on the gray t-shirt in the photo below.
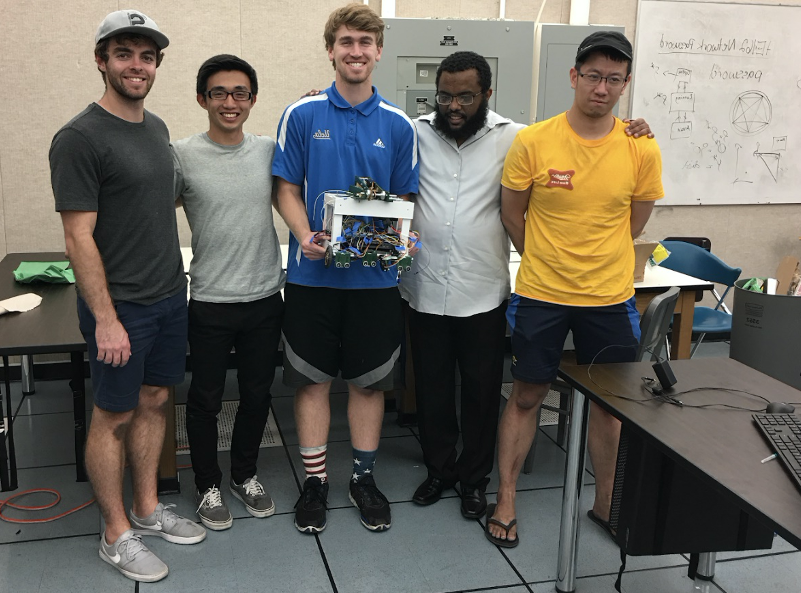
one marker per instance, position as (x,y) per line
(123,171)
(226,191)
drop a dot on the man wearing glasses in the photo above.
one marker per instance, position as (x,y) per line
(223,179)
(459,288)
(575,191)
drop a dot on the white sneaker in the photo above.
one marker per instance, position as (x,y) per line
(132,558)
(167,525)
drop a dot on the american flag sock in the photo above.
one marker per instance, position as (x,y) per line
(314,462)
(363,463)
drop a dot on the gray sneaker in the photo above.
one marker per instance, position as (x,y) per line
(167,525)
(254,497)
(132,558)
(212,510)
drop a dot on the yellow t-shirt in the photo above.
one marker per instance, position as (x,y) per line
(578,247)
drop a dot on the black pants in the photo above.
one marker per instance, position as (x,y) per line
(254,329)
(477,343)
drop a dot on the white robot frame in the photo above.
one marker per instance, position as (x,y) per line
(338,206)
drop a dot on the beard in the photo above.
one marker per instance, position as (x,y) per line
(118,84)
(470,127)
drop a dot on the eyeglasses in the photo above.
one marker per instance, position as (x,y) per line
(595,79)
(222,95)
(463,99)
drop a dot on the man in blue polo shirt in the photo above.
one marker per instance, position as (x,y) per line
(324,142)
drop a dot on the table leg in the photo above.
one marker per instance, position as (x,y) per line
(574,481)
(8,459)
(26,370)
(682,333)
(706,566)
(78,386)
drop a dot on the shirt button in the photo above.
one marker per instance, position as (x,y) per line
(353,120)
(447,224)
(456,175)
(451,199)
(443,273)
(445,248)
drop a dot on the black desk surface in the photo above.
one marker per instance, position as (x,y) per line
(52,327)
(715,443)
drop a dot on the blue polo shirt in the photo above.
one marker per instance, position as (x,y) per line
(323,144)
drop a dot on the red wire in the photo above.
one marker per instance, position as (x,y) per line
(7,503)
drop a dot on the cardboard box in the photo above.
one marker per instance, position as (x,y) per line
(785,272)
(642,251)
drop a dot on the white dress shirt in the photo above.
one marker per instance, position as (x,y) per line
(463,267)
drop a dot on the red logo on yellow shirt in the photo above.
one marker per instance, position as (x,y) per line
(560,179)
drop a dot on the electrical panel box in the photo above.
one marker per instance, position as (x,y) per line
(555,49)
(414,49)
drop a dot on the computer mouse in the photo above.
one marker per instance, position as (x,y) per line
(779,408)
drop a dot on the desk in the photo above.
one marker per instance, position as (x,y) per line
(656,281)
(51,328)
(719,446)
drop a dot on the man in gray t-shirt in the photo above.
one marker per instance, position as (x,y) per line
(223,179)
(111,172)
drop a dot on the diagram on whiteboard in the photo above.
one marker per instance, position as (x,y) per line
(750,113)
(719,86)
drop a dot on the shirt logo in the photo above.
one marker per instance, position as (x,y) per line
(379,144)
(322,135)
(560,179)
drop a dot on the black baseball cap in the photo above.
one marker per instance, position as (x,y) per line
(605,39)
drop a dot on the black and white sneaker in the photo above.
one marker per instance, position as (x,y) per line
(311,506)
(373,506)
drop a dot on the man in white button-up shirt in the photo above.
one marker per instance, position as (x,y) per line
(459,285)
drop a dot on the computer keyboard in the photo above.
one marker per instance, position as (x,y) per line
(784,433)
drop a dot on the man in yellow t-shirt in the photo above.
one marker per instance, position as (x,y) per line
(575,190)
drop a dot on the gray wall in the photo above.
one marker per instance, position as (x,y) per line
(49,71)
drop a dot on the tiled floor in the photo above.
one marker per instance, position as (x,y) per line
(428,549)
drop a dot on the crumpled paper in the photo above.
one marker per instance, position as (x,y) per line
(20,303)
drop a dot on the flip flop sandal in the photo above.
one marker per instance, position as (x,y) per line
(602,524)
(504,543)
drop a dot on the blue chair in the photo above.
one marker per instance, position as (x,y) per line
(695,261)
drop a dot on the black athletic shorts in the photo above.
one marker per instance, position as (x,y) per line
(355,332)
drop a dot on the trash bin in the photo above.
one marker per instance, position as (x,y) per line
(765,333)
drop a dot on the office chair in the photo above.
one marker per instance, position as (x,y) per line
(695,261)
(654,325)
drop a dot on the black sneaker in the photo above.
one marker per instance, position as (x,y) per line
(373,506)
(311,506)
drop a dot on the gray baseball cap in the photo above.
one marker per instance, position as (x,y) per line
(131,21)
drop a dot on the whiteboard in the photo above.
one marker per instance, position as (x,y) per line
(720,85)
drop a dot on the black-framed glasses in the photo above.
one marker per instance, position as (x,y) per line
(222,95)
(463,99)
(595,79)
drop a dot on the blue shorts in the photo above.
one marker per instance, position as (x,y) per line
(157,334)
(539,329)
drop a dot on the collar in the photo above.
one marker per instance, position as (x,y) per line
(493,120)
(365,107)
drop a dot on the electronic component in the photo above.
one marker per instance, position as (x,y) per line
(368,225)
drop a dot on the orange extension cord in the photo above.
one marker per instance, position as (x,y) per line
(8,503)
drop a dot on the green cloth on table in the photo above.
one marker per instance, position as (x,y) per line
(55,272)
